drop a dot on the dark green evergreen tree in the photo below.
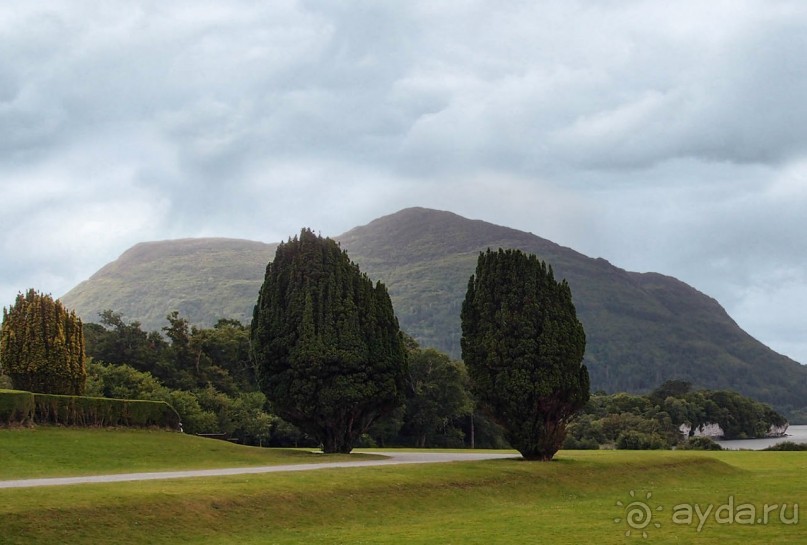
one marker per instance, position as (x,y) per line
(42,346)
(326,345)
(523,346)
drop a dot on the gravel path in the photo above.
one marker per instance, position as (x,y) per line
(393,458)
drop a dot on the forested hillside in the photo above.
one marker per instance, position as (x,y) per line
(204,279)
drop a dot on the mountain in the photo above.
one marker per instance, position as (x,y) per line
(203,278)
(642,328)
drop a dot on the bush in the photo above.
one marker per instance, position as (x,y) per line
(583,432)
(635,440)
(194,418)
(615,424)
(586,443)
(16,407)
(123,382)
(787,445)
(241,417)
(699,442)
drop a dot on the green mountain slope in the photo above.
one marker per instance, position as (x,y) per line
(642,329)
(204,279)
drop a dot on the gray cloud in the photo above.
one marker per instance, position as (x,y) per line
(742,106)
(667,137)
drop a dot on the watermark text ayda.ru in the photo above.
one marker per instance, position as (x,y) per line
(640,517)
(732,512)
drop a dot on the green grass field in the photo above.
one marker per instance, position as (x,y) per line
(572,500)
(66,452)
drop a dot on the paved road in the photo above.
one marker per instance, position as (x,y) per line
(393,458)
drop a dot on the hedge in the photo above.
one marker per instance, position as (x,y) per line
(26,407)
(16,407)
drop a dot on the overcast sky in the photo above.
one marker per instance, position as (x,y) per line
(662,136)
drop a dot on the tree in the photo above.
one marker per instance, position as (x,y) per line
(178,332)
(183,365)
(671,388)
(326,345)
(438,399)
(226,345)
(523,346)
(42,346)
(115,341)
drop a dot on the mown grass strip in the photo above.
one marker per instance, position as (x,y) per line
(572,500)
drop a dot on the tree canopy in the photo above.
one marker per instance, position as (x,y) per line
(326,345)
(42,346)
(523,346)
(205,374)
(437,400)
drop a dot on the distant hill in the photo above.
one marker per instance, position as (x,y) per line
(642,329)
(203,278)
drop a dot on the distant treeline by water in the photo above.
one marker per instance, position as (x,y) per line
(795,434)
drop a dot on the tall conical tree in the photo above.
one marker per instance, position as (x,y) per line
(42,346)
(326,345)
(523,346)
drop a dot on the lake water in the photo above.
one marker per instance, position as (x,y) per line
(796,434)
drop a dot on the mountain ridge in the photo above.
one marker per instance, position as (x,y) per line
(642,328)
(157,264)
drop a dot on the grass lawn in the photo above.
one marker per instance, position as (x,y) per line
(65,452)
(572,500)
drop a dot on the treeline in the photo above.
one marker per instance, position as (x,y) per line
(206,374)
(655,421)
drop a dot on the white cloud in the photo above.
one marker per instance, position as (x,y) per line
(662,136)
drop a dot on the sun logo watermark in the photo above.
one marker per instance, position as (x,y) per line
(638,514)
